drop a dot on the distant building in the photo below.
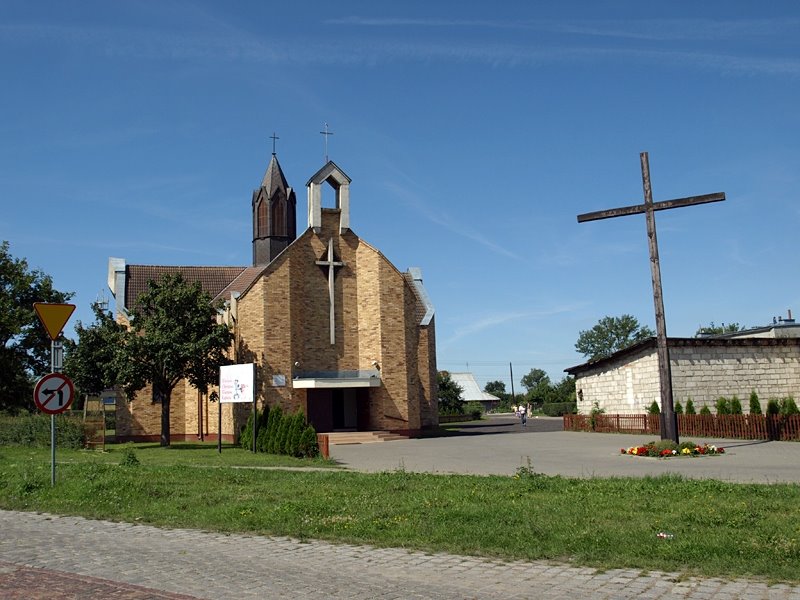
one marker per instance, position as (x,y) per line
(332,326)
(763,359)
(472,391)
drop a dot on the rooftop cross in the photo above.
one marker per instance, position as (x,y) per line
(332,265)
(274,139)
(669,421)
(326,133)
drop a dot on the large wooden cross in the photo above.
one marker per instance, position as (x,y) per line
(332,265)
(669,421)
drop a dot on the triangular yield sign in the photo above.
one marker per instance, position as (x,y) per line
(53,316)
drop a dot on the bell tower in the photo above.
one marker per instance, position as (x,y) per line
(274,215)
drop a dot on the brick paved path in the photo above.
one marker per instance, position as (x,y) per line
(46,556)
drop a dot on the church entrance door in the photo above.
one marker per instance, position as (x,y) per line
(338,409)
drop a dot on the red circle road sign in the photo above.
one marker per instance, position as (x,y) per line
(54,393)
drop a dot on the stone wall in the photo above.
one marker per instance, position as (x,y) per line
(702,369)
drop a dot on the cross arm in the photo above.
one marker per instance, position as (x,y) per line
(640,208)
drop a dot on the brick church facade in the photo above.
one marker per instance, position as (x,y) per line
(333,328)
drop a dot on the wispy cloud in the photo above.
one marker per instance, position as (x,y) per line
(640,29)
(569,41)
(498,319)
(446,221)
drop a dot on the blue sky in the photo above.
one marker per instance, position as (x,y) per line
(474,134)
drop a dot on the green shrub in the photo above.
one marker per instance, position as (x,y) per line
(722,406)
(275,420)
(736,406)
(308,442)
(755,405)
(654,409)
(789,407)
(690,407)
(558,409)
(297,423)
(246,436)
(280,436)
(773,407)
(129,458)
(678,408)
(261,439)
(705,411)
(474,410)
(34,430)
(662,445)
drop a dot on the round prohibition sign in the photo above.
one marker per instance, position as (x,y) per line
(54,393)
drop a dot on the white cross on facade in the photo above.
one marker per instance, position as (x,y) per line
(331,264)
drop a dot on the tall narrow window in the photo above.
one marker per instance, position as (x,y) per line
(261,212)
(278,215)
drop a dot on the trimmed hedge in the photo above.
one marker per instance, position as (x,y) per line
(559,409)
(34,430)
(280,433)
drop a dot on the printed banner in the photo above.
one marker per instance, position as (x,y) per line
(236,383)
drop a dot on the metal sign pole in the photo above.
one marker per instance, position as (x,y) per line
(52,421)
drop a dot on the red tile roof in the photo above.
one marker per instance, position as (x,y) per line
(212,279)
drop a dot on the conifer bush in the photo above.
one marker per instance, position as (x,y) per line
(654,409)
(755,405)
(789,407)
(308,442)
(275,419)
(690,407)
(678,408)
(722,406)
(773,407)
(705,411)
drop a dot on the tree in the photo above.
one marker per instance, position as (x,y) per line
(610,335)
(24,343)
(497,388)
(537,383)
(174,335)
(92,361)
(450,400)
(712,329)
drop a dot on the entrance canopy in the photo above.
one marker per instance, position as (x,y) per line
(337,379)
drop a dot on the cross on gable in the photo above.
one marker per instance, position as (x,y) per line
(669,424)
(332,264)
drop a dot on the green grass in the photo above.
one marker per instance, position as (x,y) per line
(189,454)
(720,529)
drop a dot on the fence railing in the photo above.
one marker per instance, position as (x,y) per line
(747,427)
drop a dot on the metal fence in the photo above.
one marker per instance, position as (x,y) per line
(747,427)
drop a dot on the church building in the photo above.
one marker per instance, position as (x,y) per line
(333,328)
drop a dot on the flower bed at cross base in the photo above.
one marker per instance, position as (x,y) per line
(669,449)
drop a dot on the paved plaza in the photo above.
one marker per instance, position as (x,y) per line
(47,556)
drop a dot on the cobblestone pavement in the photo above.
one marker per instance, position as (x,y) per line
(47,556)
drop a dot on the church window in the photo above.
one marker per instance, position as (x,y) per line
(278,216)
(261,217)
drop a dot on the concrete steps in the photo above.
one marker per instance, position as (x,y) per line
(362,437)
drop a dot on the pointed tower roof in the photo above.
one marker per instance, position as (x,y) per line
(274,178)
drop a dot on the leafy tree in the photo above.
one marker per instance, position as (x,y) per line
(498,388)
(537,382)
(610,335)
(174,335)
(24,343)
(450,400)
(712,329)
(91,362)
(564,390)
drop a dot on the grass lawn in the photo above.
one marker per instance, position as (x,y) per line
(720,529)
(191,454)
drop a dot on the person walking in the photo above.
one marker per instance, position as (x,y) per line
(524,415)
